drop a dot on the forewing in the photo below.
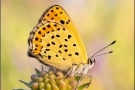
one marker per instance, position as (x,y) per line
(58,14)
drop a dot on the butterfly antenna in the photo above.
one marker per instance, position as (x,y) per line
(103,49)
(104,53)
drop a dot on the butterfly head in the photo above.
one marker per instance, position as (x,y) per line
(91,61)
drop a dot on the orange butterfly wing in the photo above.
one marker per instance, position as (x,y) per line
(56,23)
(57,13)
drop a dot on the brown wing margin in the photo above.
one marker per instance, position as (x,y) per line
(39,21)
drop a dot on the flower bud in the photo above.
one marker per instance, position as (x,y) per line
(34,77)
(48,86)
(52,76)
(34,86)
(46,80)
(62,85)
(52,81)
(55,87)
(42,73)
(41,86)
(40,79)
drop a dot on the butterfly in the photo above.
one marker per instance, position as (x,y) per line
(55,42)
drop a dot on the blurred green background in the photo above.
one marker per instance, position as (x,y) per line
(98,22)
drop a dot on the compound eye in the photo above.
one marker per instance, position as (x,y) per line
(94,60)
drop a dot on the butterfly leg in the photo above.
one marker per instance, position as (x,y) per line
(79,80)
(70,70)
(89,81)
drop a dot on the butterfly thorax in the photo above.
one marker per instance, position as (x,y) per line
(82,68)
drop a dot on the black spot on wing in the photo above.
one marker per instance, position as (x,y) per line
(66,40)
(67,22)
(36,38)
(52,30)
(56,55)
(48,26)
(39,32)
(74,44)
(53,43)
(57,8)
(48,14)
(64,59)
(62,22)
(55,25)
(43,28)
(48,44)
(59,51)
(44,51)
(69,36)
(36,45)
(56,14)
(76,53)
(66,50)
(51,10)
(57,35)
(64,29)
(49,57)
(47,49)
(52,37)
(61,12)
(58,29)
(69,54)
(48,32)
(60,46)
(52,18)
(65,45)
